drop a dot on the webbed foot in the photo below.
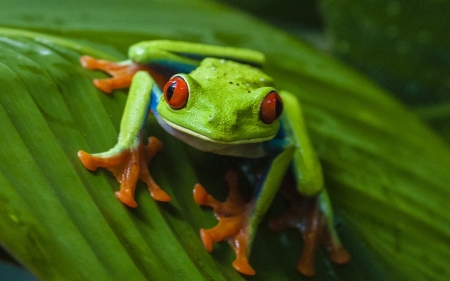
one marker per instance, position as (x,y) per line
(122,72)
(128,166)
(233,216)
(306,215)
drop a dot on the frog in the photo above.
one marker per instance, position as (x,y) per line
(218,100)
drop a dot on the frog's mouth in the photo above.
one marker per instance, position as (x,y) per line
(203,137)
(242,148)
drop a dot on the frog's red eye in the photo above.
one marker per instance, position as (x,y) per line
(271,108)
(176,92)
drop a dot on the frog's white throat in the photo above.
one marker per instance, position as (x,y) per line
(200,142)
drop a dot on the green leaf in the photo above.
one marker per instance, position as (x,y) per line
(386,172)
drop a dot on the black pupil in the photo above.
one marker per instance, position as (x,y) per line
(171,90)
(278,107)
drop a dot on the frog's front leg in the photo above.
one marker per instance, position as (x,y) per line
(122,72)
(129,158)
(233,222)
(313,217)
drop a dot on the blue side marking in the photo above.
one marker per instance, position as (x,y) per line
(278,143)
(273,147)
(156,95)
(176,66)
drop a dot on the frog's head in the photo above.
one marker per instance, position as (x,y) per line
(222,102)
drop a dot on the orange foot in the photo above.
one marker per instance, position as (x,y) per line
(233,222)
(305,215)
(128,166)
(122,73)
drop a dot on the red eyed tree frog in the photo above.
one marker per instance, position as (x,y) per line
(217,99)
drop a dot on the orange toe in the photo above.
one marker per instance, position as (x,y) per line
(306,269)
(340,256)
(86,159)
(200,195)
(126,198)
(207,240)
(104,85)
(88,62)
(242,266)
(160,195)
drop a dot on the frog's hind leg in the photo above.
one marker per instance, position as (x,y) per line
(312,217)
(122,72)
